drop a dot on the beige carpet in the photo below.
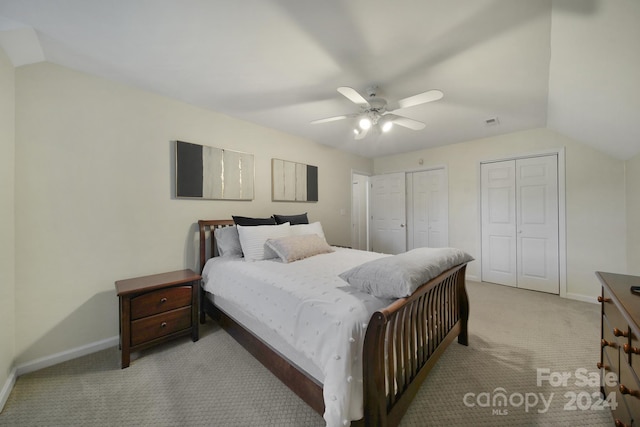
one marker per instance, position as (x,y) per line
(215,382)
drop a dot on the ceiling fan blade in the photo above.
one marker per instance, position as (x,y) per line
(353,96)
(406,122)
(421,98)
(331,119)
(362,134)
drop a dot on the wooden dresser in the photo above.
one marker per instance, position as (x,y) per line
(620,346)
(157,308)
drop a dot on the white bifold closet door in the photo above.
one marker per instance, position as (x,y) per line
(388,213)
(519,210)
(428,209)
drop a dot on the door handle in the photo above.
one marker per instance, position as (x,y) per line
(401,225)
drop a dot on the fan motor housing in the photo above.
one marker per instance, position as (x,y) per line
(377,104)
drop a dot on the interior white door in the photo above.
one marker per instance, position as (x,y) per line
(388,213)
(520,235)
(360,212)
(498,212)
(537,224)
(429,226)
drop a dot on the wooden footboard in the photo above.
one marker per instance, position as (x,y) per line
(402,342)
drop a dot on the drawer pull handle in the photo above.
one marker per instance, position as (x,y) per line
(628,349)
(619,423)
(163,300)
(601,365)
(625,390)
(603,299)
(618,333)
(163,325)
(606,343)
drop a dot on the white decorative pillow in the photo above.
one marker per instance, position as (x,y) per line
(398,276)
(253,238)
(313,228)
(228,241)
(293,248)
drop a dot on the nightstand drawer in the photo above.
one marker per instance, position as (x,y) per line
(160,301)
(152,327)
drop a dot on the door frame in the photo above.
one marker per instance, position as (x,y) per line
(562,217)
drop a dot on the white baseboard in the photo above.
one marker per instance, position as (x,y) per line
(6,389)
(54,359)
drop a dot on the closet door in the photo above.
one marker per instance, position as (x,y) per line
(429,209)
(388,212)
(520,236)
(498,211)
(537,224)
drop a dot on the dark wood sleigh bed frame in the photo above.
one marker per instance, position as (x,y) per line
(414,332)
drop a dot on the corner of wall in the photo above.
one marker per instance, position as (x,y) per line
(7,226)
(7,387)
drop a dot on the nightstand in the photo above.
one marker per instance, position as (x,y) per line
(157,308)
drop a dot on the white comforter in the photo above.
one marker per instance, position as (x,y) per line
(313,309)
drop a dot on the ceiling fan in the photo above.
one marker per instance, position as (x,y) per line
(374,113)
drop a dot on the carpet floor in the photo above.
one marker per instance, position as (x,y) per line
(520,344)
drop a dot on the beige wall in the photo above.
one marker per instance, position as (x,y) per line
(633,214)
(7,236)
(595,199)
(94,197)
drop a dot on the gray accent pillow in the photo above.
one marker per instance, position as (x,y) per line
(398,276)
(293,248)
(228,241)
(292,219)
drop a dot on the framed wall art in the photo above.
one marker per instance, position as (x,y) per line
(293,182)
(204,172)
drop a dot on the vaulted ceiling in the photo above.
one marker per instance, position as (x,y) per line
(569,65)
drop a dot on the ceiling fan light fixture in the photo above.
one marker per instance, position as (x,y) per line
(364,123)
(375,118)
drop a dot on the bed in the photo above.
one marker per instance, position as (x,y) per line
(400,343)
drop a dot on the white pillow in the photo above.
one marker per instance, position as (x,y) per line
(293,248)
(253,238)
(313,228)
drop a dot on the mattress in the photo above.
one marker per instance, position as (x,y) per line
(271,338)
(305,307)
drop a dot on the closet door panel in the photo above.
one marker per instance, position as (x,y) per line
(429,208)
(498,222)
(537,224)
(388,210)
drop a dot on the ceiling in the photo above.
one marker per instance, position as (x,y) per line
(572,66)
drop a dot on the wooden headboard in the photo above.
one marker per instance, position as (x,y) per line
(209,225)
